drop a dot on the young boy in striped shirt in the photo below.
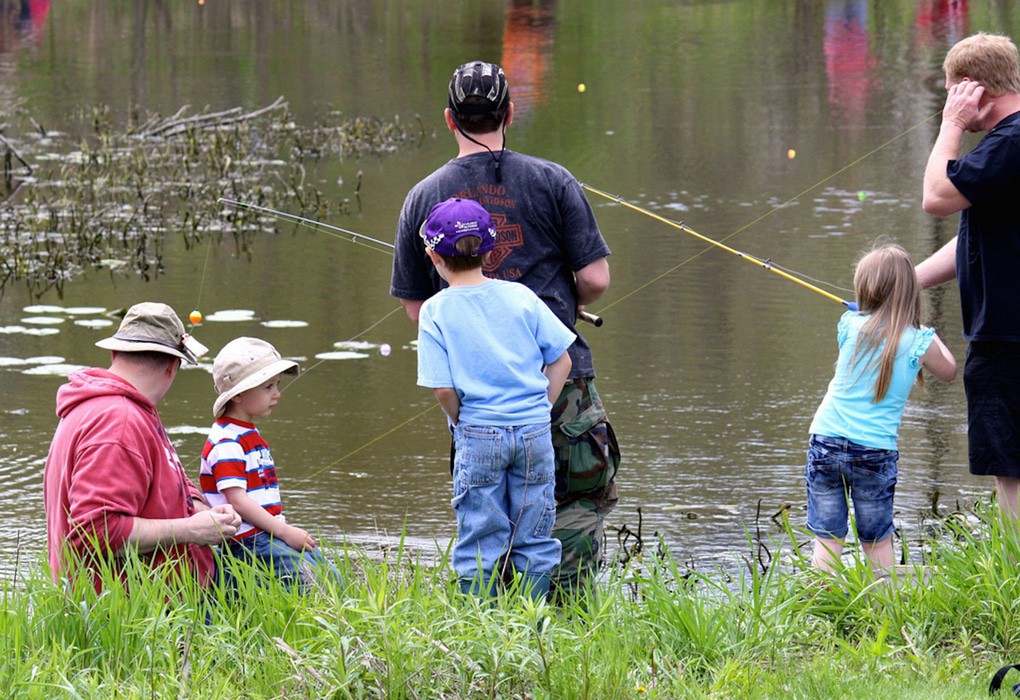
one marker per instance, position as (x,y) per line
(238,469)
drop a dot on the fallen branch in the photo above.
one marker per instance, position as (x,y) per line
(175,125)
(12,150)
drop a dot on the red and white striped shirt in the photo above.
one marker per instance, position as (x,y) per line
(236,456)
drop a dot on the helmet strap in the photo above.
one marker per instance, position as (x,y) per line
(495,158)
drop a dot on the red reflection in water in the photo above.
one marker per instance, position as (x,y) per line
(847,61)
(941,23)
(22,23)
(527,49)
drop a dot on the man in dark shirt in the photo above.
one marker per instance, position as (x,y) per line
(983,82)
(547,239)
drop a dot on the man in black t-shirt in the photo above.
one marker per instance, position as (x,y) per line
(983,84)
(547,239)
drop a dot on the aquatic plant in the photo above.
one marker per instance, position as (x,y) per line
(109,195)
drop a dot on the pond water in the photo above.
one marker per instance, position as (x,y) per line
(794,131)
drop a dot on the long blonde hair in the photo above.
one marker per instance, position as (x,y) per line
(888,293)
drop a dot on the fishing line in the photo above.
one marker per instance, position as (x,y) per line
(768,264)
(350,237)
(194,318)
(351,339)
(322,227)
(328,229)
(371,442)
(354,238)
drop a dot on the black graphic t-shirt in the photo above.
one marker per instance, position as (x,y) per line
(545,231)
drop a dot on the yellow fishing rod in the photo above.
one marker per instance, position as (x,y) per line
(766,264)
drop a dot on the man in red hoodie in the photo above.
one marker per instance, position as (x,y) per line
(113,479)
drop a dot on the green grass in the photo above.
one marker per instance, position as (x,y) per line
(399,628)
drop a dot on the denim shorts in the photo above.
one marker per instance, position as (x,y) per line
(503,483)
(991,378)
(839,471)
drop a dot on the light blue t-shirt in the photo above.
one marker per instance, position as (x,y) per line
(490,343)
(847,410)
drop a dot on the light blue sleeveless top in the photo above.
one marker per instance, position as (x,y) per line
(847,410)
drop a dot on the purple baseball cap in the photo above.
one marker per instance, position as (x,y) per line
(453,219)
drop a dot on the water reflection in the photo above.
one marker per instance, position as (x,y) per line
(941,23)
(711,368)
(527,49)
(22,23)
(848,63)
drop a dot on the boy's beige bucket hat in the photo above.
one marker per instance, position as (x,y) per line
(150,326)
(243,364)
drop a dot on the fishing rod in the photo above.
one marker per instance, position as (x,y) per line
(582,315)
(311,223)
(766,264)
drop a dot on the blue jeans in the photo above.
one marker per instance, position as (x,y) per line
(287,563)
(837,469)
(503,484)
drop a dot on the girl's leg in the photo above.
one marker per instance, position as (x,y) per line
(873,491)
(826,553)
(827,508)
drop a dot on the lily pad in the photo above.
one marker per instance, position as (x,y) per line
(283,323)
(341,355)
(10,330)
(53,370)
(187,430)
(231,315)
(43,320)
(44,360)
(354,345)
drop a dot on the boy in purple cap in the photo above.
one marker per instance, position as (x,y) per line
(496,357)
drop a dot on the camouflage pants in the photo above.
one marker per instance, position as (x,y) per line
(587,456)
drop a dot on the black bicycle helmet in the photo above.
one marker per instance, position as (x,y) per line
(482,80)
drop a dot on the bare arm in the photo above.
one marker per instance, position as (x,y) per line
(412,307)
(557,374)
(939,267)
(256,515)
(963,112)
(939,361)
(449,402)
(592,281)
(941,197)
(206,527)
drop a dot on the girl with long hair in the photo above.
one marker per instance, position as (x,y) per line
(853,454)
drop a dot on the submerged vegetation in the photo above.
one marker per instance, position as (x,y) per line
(399,628)
(110,195)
